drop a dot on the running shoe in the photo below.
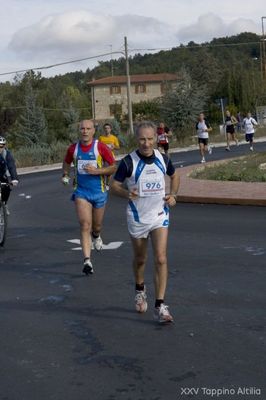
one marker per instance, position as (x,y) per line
(97,243)
(162,314)
(7,210)
(87,267)
(141,301)
(210,150)
(203,160)
(251,148)
(227,148)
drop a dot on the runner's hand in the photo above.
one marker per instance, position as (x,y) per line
(133,195)
(65,180)
(170,200)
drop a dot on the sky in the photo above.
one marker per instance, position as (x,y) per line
(41,33)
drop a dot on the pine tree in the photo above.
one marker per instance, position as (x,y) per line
(180,107)
(32,126)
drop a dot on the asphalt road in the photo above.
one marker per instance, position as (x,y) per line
(65,336)
(193,157)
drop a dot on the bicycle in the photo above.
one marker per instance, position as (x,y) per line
(3,217)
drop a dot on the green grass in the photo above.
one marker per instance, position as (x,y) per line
(250,168)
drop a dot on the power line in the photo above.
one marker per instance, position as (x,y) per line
(197,46)
(58,64)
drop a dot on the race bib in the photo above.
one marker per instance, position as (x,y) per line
(82,164)
(148,188)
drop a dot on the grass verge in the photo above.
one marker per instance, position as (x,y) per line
(250,168)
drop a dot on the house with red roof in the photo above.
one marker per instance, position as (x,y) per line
(109,95)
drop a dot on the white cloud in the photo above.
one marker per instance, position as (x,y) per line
(209,26)
(70,32)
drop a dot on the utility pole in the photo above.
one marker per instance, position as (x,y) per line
(262,49)
(129,104)
(112,64)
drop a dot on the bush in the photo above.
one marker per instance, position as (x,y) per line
(40,155)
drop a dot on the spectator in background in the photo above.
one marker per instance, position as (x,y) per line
(239,119)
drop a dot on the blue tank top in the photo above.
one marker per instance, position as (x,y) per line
(90,183)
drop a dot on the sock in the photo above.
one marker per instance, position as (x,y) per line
(158,302)
(140,287)
(94,235)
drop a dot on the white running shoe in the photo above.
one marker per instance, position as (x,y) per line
(97,243)
(141,301)
(162,314)
(87,267)
(203,160)
(251,148)
(210,150)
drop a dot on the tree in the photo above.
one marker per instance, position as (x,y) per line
(180,107)
(31,127)
(148,109)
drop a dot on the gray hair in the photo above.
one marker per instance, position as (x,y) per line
(145,124)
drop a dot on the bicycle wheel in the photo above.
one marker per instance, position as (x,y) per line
(3,224)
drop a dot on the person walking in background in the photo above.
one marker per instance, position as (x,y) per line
(203,128)
(230,122)
(109,139)
(90,195)
(163,135)
(239,124)
(144,172)
(249,123)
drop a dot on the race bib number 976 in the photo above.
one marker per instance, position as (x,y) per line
(151,188)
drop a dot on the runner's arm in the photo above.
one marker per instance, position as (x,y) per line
(171,198)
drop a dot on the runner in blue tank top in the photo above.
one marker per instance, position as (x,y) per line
(93,161)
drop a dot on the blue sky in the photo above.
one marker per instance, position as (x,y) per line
(37,33)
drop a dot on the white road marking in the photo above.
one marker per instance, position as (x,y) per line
(109,246)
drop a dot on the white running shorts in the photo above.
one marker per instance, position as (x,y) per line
(140,230)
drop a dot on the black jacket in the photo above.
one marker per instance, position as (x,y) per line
(7,163)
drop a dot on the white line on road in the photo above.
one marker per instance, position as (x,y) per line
(109,246)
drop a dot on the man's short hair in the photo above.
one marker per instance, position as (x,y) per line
(145,124)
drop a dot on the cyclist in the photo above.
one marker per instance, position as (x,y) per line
(7,165)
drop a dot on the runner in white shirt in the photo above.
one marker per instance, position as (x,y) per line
(248,124)
(203,128)
(143,172)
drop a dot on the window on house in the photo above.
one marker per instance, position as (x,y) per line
(115,109)
(115,89)
(141,88)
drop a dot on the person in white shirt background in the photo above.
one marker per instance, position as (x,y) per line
(248,124)
(203,128)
